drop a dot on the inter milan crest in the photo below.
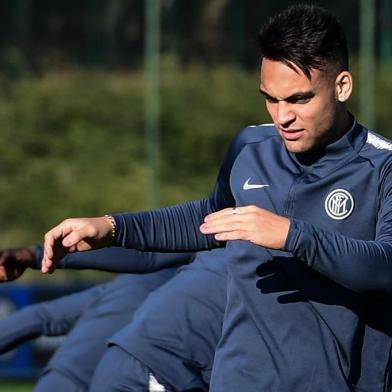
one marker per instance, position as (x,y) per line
(339,204)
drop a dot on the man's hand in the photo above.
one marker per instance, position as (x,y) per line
(13,262)
(75,235)
(249,223)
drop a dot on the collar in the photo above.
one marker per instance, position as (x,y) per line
(334,155)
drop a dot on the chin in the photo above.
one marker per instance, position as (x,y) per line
(296,147)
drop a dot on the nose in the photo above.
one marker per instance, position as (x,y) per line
(285,114)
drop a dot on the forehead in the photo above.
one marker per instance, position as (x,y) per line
(280,81)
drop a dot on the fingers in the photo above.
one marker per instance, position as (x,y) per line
(255,224)
(226,225)
(227,212)
(72,240)
(229,219)
(4,256)
(220,214)
(53,235)
(233,235)
(46,264)
(53,245)
(231,223)
(230,231)
(3,273)
(73,235)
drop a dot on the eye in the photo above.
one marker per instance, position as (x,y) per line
(271,100)
(299,100)
(302,100)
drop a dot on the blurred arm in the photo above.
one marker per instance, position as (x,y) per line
(115,259)
(51,318)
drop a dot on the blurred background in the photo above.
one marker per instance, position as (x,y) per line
(109,106)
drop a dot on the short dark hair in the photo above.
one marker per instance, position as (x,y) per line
(306,36)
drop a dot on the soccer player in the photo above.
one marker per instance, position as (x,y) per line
(305,207)
(90,317)
(173,335)
(179,347)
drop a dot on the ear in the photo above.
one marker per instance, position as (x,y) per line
(343,86)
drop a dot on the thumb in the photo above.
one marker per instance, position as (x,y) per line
(73,238)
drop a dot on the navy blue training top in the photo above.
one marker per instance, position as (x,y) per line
(116,259)
(315,300)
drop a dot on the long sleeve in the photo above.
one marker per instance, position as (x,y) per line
(51,318)
(176,228)
(173,228)
(356,264)
(360,265)
(119,260)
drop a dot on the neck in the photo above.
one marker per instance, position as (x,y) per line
(343,124)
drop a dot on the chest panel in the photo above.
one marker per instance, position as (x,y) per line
(342,199)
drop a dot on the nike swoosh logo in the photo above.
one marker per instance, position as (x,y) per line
(252,186)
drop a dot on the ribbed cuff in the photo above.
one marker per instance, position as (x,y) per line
(293,236)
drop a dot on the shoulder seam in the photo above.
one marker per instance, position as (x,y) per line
(377,142)
(263,140)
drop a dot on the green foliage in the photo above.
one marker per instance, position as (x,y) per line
(67,144)
(383,92)
(202,109)
(73,143)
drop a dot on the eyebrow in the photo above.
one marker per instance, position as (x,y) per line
(293,97)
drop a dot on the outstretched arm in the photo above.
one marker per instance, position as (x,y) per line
(121,260)
(13,262)
(169,229)
(51,318)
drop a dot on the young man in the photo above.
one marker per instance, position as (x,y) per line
(308,244)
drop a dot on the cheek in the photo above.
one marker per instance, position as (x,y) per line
(271,109)
(324,107)
(324,116)
(312,114)
(318,120)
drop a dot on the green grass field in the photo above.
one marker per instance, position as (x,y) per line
(16,386)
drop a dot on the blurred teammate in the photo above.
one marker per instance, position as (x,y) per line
(175,331)
(307,242)
(89,317)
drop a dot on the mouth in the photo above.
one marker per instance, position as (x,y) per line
(291,134)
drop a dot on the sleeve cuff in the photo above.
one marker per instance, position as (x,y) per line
(119,236)
(39,253)
(293,236)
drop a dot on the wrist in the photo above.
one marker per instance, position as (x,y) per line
(112,228)
(25,256)
(286,223)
